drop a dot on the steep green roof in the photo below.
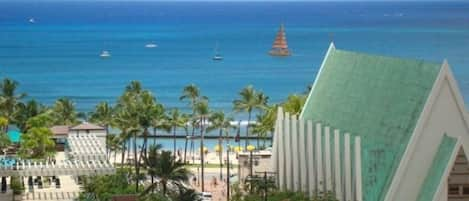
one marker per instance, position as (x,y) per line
(378,98)
(439,164)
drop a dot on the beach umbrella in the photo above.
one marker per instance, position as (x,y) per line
(218,148)
(205,150)
(238,149)
(250,147)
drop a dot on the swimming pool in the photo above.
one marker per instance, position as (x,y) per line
(7,162)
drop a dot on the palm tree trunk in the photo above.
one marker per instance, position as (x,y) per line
(124,148)
(154,139)
(220,153)
(247,129)
(192,144)
(107,144)
(174,141)
(164,187)
(136,164)
(185,146)
(202,154)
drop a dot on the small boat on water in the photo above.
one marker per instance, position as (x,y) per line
(105,54)
(32,20)
(218,56)
(151,45)
(280,47)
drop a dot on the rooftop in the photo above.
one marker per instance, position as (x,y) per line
(60,130)
(376,97)
(87,126)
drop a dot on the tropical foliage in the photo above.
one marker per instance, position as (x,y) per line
(250,100)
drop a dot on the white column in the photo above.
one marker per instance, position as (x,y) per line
(311,170)
(358,170)
(327,159)
(337,166)
(347,168)
(303,156)
(288,153)
(319,166)
(281,154)
(295,154)
(277,146)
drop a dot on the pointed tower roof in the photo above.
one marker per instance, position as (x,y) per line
(376,97)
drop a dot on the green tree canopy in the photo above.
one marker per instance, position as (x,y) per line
(37,144)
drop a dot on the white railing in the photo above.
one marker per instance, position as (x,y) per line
(66,167)
(313,158)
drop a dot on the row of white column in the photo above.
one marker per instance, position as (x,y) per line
(314,159)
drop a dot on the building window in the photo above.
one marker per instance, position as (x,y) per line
(465,190)
(453,190)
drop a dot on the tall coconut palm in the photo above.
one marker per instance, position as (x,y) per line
(203,112)
(147,111)
(9,98)
(168,169)
(103,115)
(159,121)
(124,123)
(192,93)
(249,101)
(64,112)
(219,121)
(176,120)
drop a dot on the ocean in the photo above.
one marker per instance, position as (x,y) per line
(58,55)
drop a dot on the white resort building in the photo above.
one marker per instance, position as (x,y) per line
(58,179)
(376,128)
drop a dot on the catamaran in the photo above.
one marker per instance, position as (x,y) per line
(218,56)
(280,47)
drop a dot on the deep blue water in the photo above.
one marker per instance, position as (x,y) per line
(58,56)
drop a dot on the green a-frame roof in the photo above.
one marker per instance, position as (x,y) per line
(376,97)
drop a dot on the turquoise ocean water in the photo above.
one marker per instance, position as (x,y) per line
(58,56)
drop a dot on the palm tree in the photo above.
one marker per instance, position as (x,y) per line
(113,144)
(168,169)
(203,112)
(147,111)
(219,121)
(176,120)
(249,101)
(265,123)
(64,112)
(192,93)
(294,104)
(103,115)
(25,111)
(159,121)
(9,98)
(151,161)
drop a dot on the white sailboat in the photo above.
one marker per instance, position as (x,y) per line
(105,54)
(151,45)
(217,56)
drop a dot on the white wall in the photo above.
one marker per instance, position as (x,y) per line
(443,117)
